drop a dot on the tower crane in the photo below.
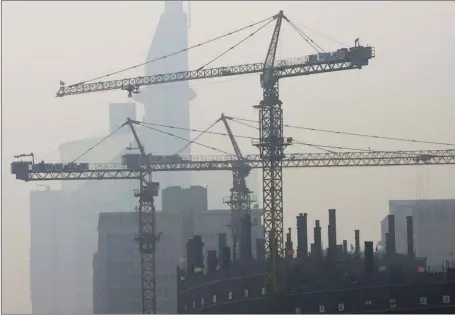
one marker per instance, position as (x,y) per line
(132,168)
(240,199)
(271,142)
(147,236)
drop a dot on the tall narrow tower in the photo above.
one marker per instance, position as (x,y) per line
(168,103)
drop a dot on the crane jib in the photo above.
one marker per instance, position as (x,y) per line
(84,171)
(341,59)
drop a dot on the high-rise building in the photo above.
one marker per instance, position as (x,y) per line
(168,104)
(116,274)
(47,253)
(434,228)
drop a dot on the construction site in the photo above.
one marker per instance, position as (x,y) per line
(187,257)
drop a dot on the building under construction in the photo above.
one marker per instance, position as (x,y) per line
(116,264)
(316,280)
(434,228)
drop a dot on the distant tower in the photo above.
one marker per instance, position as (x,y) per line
(173,6)
(168,104)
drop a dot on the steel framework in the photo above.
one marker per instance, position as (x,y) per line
(282,69)
(271,143)
(23,170)
(147,236)
(271,148)
(240,200)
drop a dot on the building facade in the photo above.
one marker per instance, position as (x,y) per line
(176,227)
(434,228)
(168,104)
(47,260)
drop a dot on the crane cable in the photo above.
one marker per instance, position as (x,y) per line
(235,46)
(354,134)
(326,36)
(98,143)
(178,137)
(194,140)
(307,38)
(317,146)
(177,52)
(160,131)
(44,155)
(197,130)
(241,121)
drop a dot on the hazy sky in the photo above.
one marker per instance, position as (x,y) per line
(405,92)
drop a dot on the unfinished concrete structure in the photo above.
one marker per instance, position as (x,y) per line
(433,228)
(116,264)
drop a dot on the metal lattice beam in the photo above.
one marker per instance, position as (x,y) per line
(240,204)
(282,69)
(225,163)
(271,147)
(147,238)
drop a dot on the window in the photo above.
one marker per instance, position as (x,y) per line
(230,295)
(393,303)
(214,299)
(245,293)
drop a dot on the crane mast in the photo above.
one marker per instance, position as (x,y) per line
(240,200)
(271,149)
(147,236)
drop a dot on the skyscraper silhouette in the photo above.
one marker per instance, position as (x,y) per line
(168,103)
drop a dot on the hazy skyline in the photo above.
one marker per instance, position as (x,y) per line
(406,92)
